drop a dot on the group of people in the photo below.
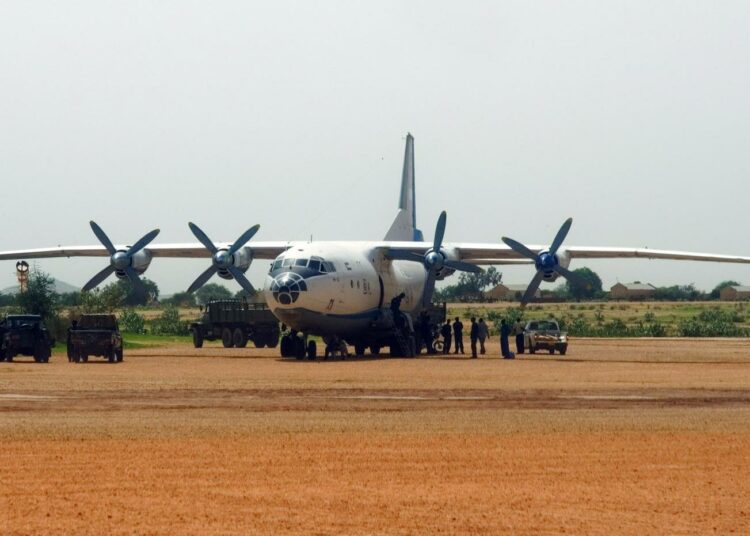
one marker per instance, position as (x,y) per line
(453,334)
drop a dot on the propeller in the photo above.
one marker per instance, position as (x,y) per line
(546,262)
(222,259)
(433,260)
(120,261)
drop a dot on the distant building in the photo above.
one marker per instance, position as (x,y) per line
(509,292)
(735,293)
(632,291)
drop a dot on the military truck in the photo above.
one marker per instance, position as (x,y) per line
(97,335)
(25,335)
(235,322)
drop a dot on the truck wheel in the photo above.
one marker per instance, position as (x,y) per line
(563,350)
(375,349)
(111,357)
(312,350)
(118,354)
(259,341)
(359,349)
(273,340)
(197,339)
(226,337)
(239,338)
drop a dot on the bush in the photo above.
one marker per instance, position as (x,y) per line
(169,323)
(132,322)
(713,322)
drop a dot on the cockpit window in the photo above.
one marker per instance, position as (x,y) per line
(301,262)
(287,262)
(276,265)
(330,268)
(314,265)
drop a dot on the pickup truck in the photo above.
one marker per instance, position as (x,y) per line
(545,335)
(24,335)
(95,335)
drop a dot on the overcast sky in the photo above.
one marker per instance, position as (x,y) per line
(631,117)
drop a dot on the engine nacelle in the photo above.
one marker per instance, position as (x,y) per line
(561,258)
(241,260)
(140,262)
(444,271)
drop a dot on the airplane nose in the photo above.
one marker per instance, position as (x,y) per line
(286,287)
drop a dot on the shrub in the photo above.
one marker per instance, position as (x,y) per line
(169,323)
(132,322)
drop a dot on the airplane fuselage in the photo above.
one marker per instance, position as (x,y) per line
(339,288)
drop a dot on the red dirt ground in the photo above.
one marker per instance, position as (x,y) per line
(620,436)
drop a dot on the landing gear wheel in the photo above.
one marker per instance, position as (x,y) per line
(239,338)
(359,350)
(226,338)
(287,348)
(197,339)
(412,346)
(312,350)
(299,348)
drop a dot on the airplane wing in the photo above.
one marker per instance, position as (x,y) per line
(260,250)
(487,254)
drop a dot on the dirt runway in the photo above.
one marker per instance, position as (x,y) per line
(618,437)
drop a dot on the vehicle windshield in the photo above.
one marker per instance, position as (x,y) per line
(97,322)
(543,325)
(18,321)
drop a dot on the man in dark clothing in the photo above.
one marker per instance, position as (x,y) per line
(446,331)
(474,337)
(396,310)
(504,333)
(425,331)
(458,335)
(518,329)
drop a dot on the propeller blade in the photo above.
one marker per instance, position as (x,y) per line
(103,238)
(520,248)
(202,238)
(140,290)
(532,288)
(439,231)
(98,278)
(429,288)
(201,279)
(241,279)
(462,266)
(561,234)
(571,276)
(142,243)
(403,255)
(242,240)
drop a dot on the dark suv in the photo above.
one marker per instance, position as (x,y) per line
(24,335)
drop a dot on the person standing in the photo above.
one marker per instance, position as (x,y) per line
(396,310)
(458,335)
(504,333)
(518,329)
(473,337)
(483,333)
(446,331)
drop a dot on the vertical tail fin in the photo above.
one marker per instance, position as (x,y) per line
(404,226)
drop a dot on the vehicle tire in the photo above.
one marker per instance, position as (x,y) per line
(259,341)
(272,341)
(532,350)
(359,350)
(197,338)
(438,346)
(111,356)
(375,349)
(118,354)
(563,350)
(239,338)
(412,346)
(226,337)
(38,353)
(551,351)
(85,358)
(312,350)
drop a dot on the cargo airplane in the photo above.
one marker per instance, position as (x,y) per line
(341,290)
